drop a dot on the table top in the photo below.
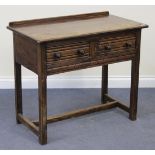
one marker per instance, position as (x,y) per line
(49,29)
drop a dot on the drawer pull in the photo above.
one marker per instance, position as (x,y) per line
(108,47)
(128,45)
(57,55)
(81,52)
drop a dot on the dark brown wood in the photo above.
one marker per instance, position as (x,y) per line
(59,19)
(123,107)
(119,103)
(80,112)
(94,49)
(62,44)
(114,58)
(44,30)
(26,52)
(42,88)
(104,81)
(135,79)
(18,90)
(18,84)
(28,123)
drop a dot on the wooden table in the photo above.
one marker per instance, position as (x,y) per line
(61,44)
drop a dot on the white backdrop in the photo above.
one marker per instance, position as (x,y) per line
(119,73)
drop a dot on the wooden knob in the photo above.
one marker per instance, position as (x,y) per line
(81,52)
(128,45)
(57,55)
(108,47)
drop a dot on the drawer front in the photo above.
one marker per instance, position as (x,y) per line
(116,44)
(62,56)
(67,53)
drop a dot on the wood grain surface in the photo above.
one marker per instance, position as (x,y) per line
(46,30)
(61,44)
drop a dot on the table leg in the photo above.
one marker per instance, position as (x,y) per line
(42,86)
(104,89)
(18,90)
(135,80)
(134,89)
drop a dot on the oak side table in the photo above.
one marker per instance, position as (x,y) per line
(55,45)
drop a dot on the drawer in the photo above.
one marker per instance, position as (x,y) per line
(91,51)
(64,53)
(113,44)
